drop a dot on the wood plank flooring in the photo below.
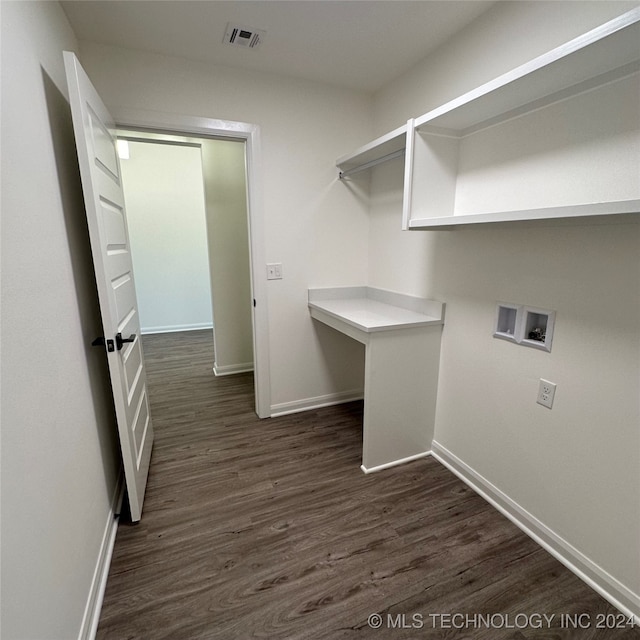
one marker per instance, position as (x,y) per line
(268,529)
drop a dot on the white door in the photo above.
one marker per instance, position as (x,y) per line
(104,202)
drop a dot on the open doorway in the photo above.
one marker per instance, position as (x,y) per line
(188,225)
(187,209)
(145,121)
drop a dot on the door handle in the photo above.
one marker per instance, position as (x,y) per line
(120,340)
(101,342)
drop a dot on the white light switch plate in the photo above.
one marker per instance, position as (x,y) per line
(274,271)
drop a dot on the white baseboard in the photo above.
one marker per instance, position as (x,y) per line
(597,578)
(318,402)
(395,463)
(101,572)
(230,369)
(176,327)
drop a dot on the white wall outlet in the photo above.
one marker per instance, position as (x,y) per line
(274,271)
(546,393)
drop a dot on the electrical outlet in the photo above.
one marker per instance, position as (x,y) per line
(546,393)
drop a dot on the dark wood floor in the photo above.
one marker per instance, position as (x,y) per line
(268,529)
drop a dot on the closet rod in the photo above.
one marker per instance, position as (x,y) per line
(371,163)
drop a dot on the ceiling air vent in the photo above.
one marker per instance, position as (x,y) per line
(246,37)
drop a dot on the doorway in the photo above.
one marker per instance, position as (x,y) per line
(158,124)
(188,227)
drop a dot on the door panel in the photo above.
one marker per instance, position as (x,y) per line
(106,218)
(105,154)
(132,366)
(114,227)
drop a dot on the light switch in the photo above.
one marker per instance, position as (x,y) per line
(274,271)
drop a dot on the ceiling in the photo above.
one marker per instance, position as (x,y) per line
(359,44)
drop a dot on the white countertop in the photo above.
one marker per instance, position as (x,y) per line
(369,309)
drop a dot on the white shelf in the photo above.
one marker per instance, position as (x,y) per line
(554,138)
(548,213)
(600,55)
(557,137)
(385,147)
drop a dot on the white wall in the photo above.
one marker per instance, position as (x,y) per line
(225,185)
(314,227)
(577,467)
(164,191)
(59,444)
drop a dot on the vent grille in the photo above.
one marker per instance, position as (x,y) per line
(241,36)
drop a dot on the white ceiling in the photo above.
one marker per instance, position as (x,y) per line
(360,44)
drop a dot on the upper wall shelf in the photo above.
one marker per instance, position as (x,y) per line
(386,147)
(556,137)
(601,55)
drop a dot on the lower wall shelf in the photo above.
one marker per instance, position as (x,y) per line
(551,213)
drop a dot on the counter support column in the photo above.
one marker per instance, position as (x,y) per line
(401,380)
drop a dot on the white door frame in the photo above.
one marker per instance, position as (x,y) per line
(192,125)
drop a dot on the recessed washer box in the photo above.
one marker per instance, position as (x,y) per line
(528,326)
(507,321)
(537,328)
